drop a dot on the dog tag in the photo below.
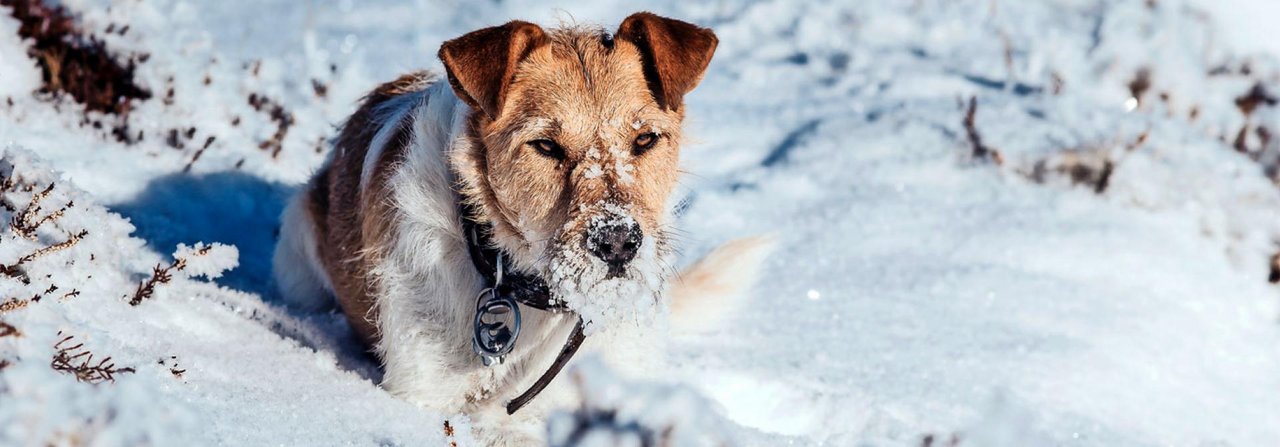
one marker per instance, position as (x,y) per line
(497,325)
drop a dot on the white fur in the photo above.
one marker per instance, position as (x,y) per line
(426,288)
(299,276)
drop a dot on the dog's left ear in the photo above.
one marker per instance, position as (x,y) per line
(481,63)
(675,54)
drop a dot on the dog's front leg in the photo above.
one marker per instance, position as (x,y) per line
(425,342)
(422,368)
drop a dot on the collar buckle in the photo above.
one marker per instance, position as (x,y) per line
(497,321)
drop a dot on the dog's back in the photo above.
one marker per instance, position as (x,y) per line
(341,208)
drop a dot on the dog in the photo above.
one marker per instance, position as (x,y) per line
(562,146)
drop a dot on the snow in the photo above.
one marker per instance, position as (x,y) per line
(207,260)
(620,413)
(916,290)
(20,73)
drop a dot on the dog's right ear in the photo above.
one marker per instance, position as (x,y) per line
(675,54)
(481,63)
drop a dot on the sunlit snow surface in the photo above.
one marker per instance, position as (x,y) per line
(915,292)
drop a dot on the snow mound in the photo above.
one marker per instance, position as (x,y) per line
(208,260)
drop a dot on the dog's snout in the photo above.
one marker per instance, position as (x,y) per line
(615,244)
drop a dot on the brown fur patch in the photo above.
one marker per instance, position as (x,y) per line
(675,54)
(349,226)
(483,62)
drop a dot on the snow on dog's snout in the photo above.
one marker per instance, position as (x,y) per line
(601,290)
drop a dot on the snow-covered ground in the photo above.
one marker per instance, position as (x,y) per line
(918,292)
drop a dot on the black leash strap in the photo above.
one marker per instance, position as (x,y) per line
(570,347)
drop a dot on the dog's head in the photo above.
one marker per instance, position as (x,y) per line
(572,146)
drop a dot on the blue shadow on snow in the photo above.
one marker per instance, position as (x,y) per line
(228,207)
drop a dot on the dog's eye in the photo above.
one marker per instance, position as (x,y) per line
(644,142)
(548,148)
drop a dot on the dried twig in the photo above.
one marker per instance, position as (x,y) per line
(930,440)
(13,304)
(980,150)
(173,369)
(77,361)
(1139,85)
(1256,96)
(15,270)
(1274,277)
(7,330)
(282,118)
(25,223)
(1247,103)
(69,295)
(196,157)
(448,433)
(159,275)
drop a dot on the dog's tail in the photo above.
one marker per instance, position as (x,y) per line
(708,292)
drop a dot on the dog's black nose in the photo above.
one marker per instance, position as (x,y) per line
(615,244)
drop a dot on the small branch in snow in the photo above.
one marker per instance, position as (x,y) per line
(69,295)
(195,157)
(8,330)
(980,150)
(26,223)
(1255,139)
(13,304)
(448,434)
(15,270)
(1138,141)
(1274,277)
(1256,96)
(1104,177)
(1139,85)
(9,184)
(159,275)
(931,441)
(1091,165)
(198,260)
(173,368)
(77,361)
(321,89)
(277,113)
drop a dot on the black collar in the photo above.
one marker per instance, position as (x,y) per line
(528,290)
